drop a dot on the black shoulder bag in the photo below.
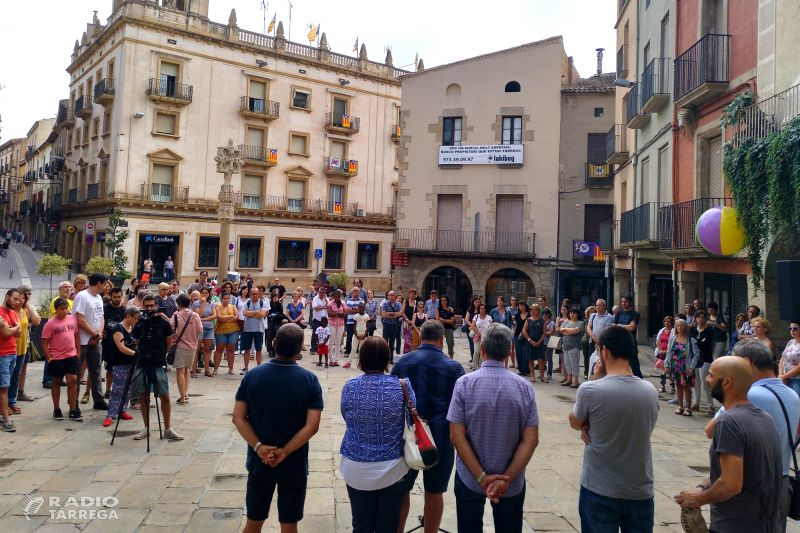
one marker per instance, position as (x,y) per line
(794,507)
(174,347)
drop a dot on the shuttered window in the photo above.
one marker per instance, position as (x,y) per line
(593,217)
(715,184)
(508,222)
(596,148)
(251,191)
(448,222)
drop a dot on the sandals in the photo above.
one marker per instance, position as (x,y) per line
(687,412)
(679,411)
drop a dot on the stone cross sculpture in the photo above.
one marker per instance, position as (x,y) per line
(229,162)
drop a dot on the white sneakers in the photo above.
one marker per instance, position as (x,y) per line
(169,434)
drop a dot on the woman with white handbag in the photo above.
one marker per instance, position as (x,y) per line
(373,463)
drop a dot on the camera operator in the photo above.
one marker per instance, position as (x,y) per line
(154,335)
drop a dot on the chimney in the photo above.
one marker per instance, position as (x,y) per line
(570,68)
(599,60)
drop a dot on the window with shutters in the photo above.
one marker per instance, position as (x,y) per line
(334,255)
(161,183)
(512,130)
(169,78)
(207,251)
(250,252)
(252,186)
(644,188)
(257,96)
(367,256)
(165,123)
(107,122)
(255,145)
(301,98)
(594,215)
(451,131)
(293,253)
(448,222)
(295,195)
(336,197)
(596,148)
(664,175)
(715,186)
(298,143)
(508,222)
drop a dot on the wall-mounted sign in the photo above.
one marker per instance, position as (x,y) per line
(488,154)
(89,227)
(160,239)
(71,229)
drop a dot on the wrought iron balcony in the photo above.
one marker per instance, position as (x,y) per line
(335,166)
(702,72)
(165,90)
(677,223)
(396,133)
(259,155)
(281,205)
(609,236)
(622,61)
(339,123)
(656,84)
(258,108)
(599,175)
(163,192)
(65,116)
(456,242)
(639,226)
(104,91)
(617,144)
(634,116)
(767,116)
(83,106)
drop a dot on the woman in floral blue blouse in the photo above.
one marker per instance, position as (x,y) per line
(373,465)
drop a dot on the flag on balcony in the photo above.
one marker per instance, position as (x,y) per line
(345,121)
(272,23)
(585,248)
(273,155)
(599,256)
(312,33)
(598,171)
(337,208)
(355,46)
(352,167)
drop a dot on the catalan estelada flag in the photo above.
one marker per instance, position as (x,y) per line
(345,121)
(273,155)
(352,166)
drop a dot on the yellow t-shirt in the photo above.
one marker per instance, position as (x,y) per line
(224,328)
(53,305)
(22,340)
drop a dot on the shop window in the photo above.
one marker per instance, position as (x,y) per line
(249,252)
(208,252)
(367,256)
(293,253)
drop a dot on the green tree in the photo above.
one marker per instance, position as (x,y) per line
(338,280)
(52,265)
(116,236)
(104,265)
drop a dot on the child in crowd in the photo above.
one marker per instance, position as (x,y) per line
(323,333)
(61,346)
(360,321)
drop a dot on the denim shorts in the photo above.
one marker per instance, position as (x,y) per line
(252,339)
(158,384)
(7,363)
(226,338)
(208,334)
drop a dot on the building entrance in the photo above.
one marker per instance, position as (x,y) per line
(157,247)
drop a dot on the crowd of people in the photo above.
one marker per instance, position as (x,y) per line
(139,335)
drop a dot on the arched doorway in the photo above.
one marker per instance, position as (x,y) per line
(453,283)
(510,282)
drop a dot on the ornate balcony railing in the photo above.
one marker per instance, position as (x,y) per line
(677,222)
(166,89)
(705,62)
(467,242)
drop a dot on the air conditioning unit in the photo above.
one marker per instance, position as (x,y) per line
(360,213)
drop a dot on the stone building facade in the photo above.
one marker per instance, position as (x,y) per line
(159,87)
(478,187)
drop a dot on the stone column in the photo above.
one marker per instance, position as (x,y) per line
(229,162)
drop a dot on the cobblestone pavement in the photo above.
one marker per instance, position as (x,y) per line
(199,484)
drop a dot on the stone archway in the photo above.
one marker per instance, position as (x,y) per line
(452,282)
(508,282)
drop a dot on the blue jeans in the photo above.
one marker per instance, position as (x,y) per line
(507,513)
(600,514)
(391,333)
(794,384)
(13,388)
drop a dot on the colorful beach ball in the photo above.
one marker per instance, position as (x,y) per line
(718,231)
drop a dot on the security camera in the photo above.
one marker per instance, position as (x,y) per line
(622,82)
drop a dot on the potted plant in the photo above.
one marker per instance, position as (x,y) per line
(115,239)
(338,280)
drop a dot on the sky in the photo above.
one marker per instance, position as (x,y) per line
(37,36)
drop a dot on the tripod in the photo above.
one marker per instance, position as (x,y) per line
(422,525)
(148,373)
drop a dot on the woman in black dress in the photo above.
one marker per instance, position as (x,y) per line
(523,349)
(534,336)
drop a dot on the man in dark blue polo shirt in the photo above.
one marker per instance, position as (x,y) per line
(277,411)
(433,376)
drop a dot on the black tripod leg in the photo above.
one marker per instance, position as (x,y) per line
(155,402)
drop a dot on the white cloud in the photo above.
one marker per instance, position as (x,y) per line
(37,36)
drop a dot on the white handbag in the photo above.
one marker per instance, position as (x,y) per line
(419,447)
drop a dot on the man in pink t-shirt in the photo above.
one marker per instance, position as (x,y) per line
(61,346)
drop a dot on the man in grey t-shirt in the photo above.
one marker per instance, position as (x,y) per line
(616,415)
(745,476)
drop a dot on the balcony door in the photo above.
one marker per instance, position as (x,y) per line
(161,185)
(255,144)
(448,222)
(251,191)
(715,185)
(257,95)
(508,223)
(336,199)
(339,110)
(295,194)
(169,79)
(595,215)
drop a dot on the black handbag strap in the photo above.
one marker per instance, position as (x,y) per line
(788,425)
(186,325)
